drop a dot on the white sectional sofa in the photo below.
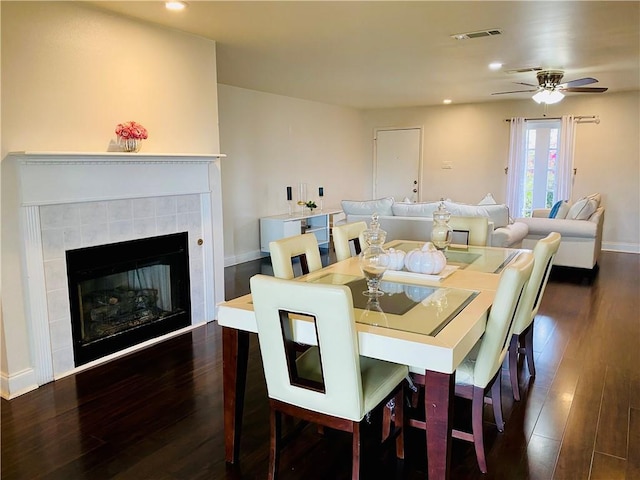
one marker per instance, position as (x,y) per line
(413,221)
(581,232)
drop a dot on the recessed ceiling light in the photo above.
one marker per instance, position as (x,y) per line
(495,66)
(175,5)
(446,101)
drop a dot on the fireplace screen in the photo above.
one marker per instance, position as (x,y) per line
(125,293)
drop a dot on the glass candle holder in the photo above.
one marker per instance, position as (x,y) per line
(441,232)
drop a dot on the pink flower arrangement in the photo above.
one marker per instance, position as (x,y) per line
(131,130)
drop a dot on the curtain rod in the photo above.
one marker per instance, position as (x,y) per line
(581,119)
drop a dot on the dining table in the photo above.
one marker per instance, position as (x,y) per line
(428,322)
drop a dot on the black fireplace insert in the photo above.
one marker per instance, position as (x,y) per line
(122,294)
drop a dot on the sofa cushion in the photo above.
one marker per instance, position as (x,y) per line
(595,218)
(400,228)
(567,228)
(381,206)
(582,209)
(498,214)
(414,209)
(510,236)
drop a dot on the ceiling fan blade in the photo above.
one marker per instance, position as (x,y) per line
(578,82)
(527,84)
(584,89)
(515,91)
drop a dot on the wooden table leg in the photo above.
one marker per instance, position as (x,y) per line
(438,405)
(235,355)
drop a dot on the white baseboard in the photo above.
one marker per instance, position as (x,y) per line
(245,257)
(621,247)
(17,384)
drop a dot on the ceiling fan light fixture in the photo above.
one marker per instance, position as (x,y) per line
(548,96)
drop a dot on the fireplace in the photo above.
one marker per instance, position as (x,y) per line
(125,293)
(55,203)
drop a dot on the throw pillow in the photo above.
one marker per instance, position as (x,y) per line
(381,206)
(498,214)
(488,200)
(555,208)
(596,197)
(564,209)
(582,209)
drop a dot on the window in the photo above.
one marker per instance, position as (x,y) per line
(541,143)
(540,163)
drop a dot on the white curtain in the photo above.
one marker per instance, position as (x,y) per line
(516,166)
(564,173)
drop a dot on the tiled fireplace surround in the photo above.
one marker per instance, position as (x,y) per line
(70,201)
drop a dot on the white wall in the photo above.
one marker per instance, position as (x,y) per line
(70,74)
(475,138)
(272,142)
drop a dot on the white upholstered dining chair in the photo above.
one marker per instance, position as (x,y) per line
(346,234)
(328,384)
(283,251)
(474,228)
(522,338)
(479,373)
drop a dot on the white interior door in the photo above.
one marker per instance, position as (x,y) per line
(397,165)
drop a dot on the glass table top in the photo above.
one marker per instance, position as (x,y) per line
(479,259)
(410,308)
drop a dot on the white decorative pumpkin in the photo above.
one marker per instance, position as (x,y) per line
(417,293)
(396,259)
(391,288)
(428,260)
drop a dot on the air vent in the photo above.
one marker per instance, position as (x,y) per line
(524,70)
(480,33)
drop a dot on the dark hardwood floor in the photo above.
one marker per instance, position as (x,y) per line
(156,414)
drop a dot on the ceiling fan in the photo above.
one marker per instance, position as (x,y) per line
(550,90)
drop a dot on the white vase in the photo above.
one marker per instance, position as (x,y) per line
(130,144)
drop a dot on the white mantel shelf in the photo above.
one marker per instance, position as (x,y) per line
(49,178)
(114,157)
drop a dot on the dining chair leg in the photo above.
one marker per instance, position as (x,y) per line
(398,422)
(496,401)
(387,418)
(477,404)
(274,454)
(513,366)
(355,467)
(528,347)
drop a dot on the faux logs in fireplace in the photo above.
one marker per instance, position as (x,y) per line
(122,294)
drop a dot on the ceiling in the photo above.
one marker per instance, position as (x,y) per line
(371,54)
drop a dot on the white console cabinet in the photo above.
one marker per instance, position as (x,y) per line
(281,226)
